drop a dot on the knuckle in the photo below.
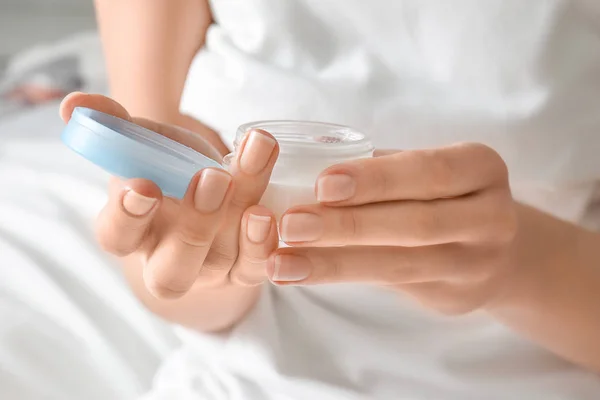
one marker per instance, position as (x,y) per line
(244,281)
(350,223)
(244,197)
(167,289)
(220,256)
(165,285)
(248,272)
(193,237)
(402,271)
(251,260)
(427,225)
(331,270)
(495,165)
(240,201)
(502,221)
(442,171)
(383,187)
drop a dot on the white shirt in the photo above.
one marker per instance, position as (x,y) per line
(522,77)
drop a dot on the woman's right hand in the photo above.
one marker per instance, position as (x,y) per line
(216,236)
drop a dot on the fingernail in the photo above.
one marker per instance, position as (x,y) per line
(289,268)
(338,187)
(256,153)
(211,190)
(258,228)
(301,227)
(136,204)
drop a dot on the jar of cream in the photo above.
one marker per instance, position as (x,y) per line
(305,150)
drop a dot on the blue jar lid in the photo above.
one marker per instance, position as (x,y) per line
(127,150)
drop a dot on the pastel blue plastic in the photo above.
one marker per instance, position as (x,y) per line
(127,150)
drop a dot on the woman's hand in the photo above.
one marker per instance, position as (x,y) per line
(438,224)
(215,237)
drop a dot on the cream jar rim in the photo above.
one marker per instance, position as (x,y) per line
(308,139)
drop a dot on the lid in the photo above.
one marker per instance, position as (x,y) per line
(127,150)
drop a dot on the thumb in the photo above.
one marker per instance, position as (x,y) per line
(93,101)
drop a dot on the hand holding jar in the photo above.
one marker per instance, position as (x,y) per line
(216,236)
(437,224)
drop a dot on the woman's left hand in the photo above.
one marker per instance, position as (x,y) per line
(437,224)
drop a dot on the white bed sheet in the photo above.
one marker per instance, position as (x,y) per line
(69,326)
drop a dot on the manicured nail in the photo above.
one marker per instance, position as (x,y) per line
(211,190)
(258,228)
(338,187)
(256,153)
(136,204)
(289,268)
(301,227)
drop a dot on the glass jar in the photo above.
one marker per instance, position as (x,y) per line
(305,150)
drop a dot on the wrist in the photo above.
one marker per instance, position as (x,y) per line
(554,294)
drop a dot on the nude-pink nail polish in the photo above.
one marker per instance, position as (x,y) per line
(301,227)
(258,228)
(211,190)
(337,187)
(291,268)
(256,153)
(137,204)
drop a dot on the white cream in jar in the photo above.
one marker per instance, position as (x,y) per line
(305,150)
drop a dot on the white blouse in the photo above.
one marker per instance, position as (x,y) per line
(520,76)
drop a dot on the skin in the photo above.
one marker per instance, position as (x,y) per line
(163,36)
(440,224)
(195,268)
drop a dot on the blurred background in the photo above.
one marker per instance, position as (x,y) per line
(26,23)
(47,48)
(49,197)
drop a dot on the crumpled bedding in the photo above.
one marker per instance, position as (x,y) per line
(69,326)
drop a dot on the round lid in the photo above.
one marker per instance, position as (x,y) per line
(127,150)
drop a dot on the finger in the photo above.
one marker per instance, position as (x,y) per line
(412,175)
(377,265)
(258,239)
(124,222)
(94,101)
(480,217)
(174,265)
(251,171)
